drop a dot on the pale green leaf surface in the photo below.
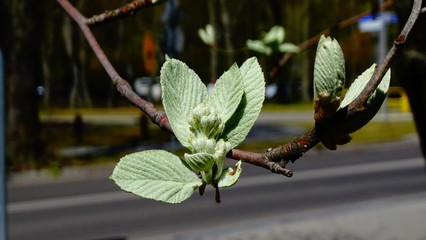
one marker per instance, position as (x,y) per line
(258,46)
(237,128)
(359,84)
(210,31)
(203,35)
(207,35)
(276,34)
(199,161)
(182,90)
(227,92)
(373,103)
(230,176)
(289,47)
(329,69)
(156,174)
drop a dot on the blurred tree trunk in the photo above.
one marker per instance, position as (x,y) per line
(22,30)
(213,52)
(296,21)
(226,23)
(79,95)
(411,68)
(47,73)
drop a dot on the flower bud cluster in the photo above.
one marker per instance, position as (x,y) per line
(206,127)
(205,122)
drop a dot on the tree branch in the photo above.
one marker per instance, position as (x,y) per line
(295,149)
(122,86)
(313,40)
(120,12)
(359,103)
(274,159)
(156,116)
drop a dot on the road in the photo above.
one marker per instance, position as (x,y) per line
(90,207)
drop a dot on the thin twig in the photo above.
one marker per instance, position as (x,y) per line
(359,103)
(126,10)
(423,10)
(122,86)
(259,160)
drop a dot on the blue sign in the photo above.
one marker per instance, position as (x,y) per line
(376,22)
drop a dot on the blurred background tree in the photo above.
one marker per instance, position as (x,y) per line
(22,33)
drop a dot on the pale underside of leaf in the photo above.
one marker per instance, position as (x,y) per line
(199,161)
(258,46)
(329,69)
(289,47)
(227,92)
(156,174)
(182,90)
(373,103)
(276,34)
(359,84)
(230,176)
(237,128)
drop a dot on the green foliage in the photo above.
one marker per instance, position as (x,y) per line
(156,174)
(207,35)
(210,125)
(373,103)
(237,128)
(329,77)
(230,176)
(205,124)
(182,90)
(329,69)
(272,42)
(227,92)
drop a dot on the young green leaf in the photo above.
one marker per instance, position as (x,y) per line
(329,69)
(373,103)
(288,47)
(199,161)
(230,176)
(156,174)
(182,90)
(226,94)
(258,46)
(275,36)
(207,35)
(329,78)
(237,128)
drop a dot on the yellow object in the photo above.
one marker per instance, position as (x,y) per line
(397,98)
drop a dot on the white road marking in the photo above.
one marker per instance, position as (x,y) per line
(116,196)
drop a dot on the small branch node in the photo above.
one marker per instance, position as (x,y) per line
(277,168)
(400,39)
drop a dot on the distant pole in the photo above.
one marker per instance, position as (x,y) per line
(3,211)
